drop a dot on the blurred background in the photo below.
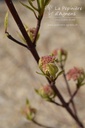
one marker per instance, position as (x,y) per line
(18,77)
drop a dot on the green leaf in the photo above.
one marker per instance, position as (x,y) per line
(28,7)
(27,102)
(38,4)
(31,4)
(29,117)
(47,2)
(41,3)
(82,84)
(21,37)
(37,37)
(52,69)
(6,22)
(43,74)
(40,73)
(59,74)
(36,90)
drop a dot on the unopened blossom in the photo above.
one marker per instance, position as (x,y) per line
(31,32)
(45,60)
(48,66)
(29,112)
(56,51)
(46,91)
(60,54)
(75,73)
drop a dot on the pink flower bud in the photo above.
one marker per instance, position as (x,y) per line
(62,51)
(60,54)
(48,66)
(46,59)
(29,112)
(46,92)
(32,33)
(75,73)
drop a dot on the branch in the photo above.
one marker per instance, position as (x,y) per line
(52,101)
(73,96)
(16,41)
(68,88)
(66,104)
(39,124)
(37,30)
(22,29)
(19,22)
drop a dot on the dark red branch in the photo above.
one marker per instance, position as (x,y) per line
(69,90)
(22,29)
(37,30)
(18,22)
(16,41)
(52,101)
(66,106)
(73,95)
(39,124)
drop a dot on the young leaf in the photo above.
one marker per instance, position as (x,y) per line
(6,22)
(31,4)
(29,8)
(47,2)
(27,102)
(21,37)
(37,91)
(38,4)
(41,3)
(59,74)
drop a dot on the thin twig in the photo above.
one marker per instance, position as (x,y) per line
(18,22)
(16,41)
(66,105)
(73,96)
(39,124)
(37,30)
(52,101)
(22,29)
(69,90)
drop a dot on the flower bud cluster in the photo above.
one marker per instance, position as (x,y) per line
(77,74)
(32,32)
(46,92)
(48,66)
(60,55)
(29,111)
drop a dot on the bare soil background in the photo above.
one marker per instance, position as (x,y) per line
(18,77)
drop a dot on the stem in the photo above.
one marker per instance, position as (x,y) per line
(69,90)
(16,41)
(18,22)
(37,30)
(66,105)
(22,29)
(52,101)
(73,96)
(39,124)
